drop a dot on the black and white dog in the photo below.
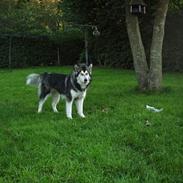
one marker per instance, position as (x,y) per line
(71,87)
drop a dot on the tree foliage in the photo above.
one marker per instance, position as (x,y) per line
(38,38)
(29,16)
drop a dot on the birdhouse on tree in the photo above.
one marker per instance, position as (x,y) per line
(137,7)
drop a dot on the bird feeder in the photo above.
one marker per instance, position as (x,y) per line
(137,7)
(95,31)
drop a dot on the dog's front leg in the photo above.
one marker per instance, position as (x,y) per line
(79,106)
(69,109)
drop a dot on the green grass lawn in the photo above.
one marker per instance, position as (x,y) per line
(113,143)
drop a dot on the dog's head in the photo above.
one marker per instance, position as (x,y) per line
(83,74)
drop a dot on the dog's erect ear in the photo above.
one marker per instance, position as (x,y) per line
(90,68)
(76,68)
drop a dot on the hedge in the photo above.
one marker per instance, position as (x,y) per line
(41,50)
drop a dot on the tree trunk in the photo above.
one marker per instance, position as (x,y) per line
(155,75)
(137,47)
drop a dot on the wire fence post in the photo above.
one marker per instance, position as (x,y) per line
(58,55)
(86,46)
(10,53)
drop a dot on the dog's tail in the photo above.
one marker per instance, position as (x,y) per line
(33,79)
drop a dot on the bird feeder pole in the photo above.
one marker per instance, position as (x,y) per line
(85,27)
(86,46)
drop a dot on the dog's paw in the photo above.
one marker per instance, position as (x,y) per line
(69,117)
(82,115)
(55,111)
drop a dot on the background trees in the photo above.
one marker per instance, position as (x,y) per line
(36,30)
(112,47)
(29,16)
(146,47)
(52,18)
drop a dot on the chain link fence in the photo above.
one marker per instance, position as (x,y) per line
(18,51)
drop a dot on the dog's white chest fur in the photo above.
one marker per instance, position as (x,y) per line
(78,94)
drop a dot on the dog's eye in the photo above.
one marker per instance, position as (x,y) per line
(82,74)
(86,74)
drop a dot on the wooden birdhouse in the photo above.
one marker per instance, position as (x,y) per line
(137,7)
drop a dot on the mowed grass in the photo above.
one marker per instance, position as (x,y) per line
(113,144)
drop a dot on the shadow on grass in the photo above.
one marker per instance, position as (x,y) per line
(137,91)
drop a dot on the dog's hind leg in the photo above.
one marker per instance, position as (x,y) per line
(41,103)
(44,94)
(55,101)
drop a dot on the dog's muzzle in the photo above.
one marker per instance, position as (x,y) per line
(85,80)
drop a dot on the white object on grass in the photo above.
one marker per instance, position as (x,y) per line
(153,109)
